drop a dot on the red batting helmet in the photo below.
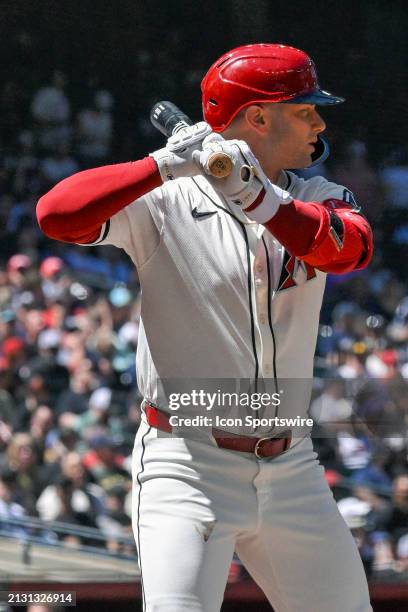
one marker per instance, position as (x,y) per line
(259,73)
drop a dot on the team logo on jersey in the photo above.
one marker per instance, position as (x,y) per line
(292,269)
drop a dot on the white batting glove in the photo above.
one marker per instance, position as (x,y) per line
(247,186)
(180,156)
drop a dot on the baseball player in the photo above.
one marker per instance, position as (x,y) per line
(232,272)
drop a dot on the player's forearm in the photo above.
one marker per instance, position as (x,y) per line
(77,207)
(330,236)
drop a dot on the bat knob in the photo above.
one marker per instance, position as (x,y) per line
(219,165)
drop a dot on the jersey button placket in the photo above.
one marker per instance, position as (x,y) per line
(261,289)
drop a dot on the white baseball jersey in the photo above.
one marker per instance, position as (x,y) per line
(221,298)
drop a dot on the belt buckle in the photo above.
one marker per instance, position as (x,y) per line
(258,444)
(267,438)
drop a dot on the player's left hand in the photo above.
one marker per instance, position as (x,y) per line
(179,158)
(247,186)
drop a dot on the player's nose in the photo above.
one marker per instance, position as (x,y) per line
(318,124)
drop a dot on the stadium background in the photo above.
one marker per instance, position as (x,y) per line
(68,326)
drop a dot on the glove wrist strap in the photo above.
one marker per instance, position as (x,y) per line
(267,204)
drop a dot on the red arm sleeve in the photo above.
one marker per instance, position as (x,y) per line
(331,236)
(76,208)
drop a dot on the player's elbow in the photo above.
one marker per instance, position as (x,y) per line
(355,254)
(48,219)
(54,218)
(367,250)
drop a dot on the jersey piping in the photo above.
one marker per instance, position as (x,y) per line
(138,513)
(268,268)
(249,276)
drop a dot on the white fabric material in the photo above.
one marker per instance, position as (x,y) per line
(279,515)
(242,186)
(196,320)
(246,180)
(179,158)
(274,198)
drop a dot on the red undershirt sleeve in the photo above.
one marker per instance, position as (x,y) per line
(77,207)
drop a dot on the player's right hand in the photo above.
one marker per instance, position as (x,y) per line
(246,179)
(247,186)
(181,154)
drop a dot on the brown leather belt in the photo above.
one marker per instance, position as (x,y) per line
(266,447)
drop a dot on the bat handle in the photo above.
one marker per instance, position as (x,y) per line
(219,165)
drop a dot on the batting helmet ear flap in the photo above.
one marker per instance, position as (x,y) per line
(321,152)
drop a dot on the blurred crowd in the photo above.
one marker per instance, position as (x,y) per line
(69,320)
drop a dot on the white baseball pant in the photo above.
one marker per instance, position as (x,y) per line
(194,503)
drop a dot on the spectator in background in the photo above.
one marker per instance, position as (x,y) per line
(32,393)
(22,459)
(25,288)
(402,554)
(374,475)
(105,464)
(115,522)
(394,177)
(85,500)
(32,317)
(17,267)
(355,513)
(82,381)
(398,329)
(7,409)
(396,520)
(27,178)
(354,170)
(42,430)
(331,406)
(50,108)
(64,441)
(390,294)
(9,509)
(121,301)
(55,282)
(351,361)
(58,165)
(343,333)
(14,353)
(354,449)
(97,413)
(94,131)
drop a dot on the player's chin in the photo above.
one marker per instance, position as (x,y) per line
(303,161)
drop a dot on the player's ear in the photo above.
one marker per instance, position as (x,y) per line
(255,117)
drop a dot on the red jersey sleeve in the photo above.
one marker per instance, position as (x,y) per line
(77,207)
